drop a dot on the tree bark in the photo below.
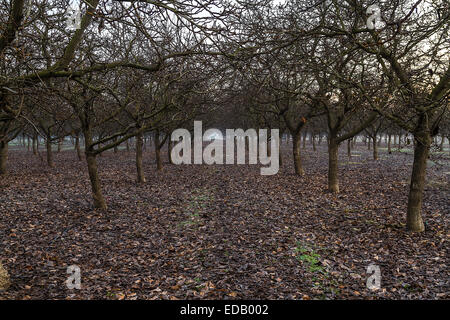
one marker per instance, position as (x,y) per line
(333,182)
(375,148)
(3,156)
(77,147)
(158,152)
(91,160)
(139,167)
(115,147)
(34,144)
(349,148)
(48,144)
(389,143)
(99,201)
(296,153)
(415,199)
(169,151)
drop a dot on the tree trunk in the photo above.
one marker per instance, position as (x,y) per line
(313,138)
(59,145)
(48,144)
(333,182)
(3,156)
(115,147)
(139,167)
(296,153)
(158,152)
(128,145)
(99,201)
(368,144)
(169,151)
(28,143)
(280,158)
(349,148)
(389,144)
(414,214)
(77,147)
(375,148)
(34,143)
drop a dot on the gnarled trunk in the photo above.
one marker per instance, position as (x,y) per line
(99,201)
(139,167)
(296,153)
(415,198)
(48,144)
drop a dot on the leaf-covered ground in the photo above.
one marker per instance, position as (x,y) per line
(221,232)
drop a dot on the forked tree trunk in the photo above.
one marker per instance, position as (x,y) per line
(91,160)
(375,148)
(296,153)
(414,214)
(139,167)
(3,156)
(48,144)
(333,182)
(99,201)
